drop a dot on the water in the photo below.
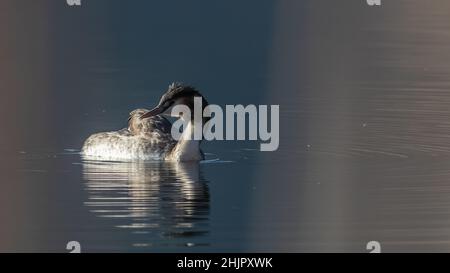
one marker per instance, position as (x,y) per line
(365,138)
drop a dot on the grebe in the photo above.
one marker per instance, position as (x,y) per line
(148,135)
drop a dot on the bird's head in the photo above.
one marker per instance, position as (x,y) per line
(177,94)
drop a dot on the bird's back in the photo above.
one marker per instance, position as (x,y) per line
(143,139)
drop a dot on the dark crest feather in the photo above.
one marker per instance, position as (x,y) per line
(177,89)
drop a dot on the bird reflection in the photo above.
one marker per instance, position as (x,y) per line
(169,200)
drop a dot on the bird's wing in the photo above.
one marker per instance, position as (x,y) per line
(156,124)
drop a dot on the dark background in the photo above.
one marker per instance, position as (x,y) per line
(364,99)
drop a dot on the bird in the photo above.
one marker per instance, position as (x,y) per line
(148,135)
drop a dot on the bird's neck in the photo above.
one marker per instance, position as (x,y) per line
(187,147)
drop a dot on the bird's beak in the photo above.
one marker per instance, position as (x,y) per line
(155,111)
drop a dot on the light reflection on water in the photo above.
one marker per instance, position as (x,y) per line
(367,122)
(171,200)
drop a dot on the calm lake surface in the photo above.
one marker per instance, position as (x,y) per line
(364,95)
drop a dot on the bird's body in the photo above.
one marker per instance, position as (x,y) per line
(146,138)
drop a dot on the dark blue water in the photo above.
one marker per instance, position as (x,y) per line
(365,138)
